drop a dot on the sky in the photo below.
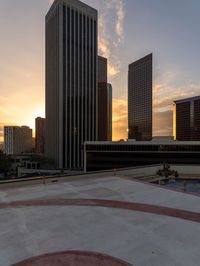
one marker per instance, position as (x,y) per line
(128,30)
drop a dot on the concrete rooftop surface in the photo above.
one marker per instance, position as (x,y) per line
(99,221)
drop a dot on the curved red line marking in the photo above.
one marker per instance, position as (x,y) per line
(131,206)
(78,258)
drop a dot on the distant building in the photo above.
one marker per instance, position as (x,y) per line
(39,135)
(104,102)
(186,119)
(71,82)
(17,140)
(140,99)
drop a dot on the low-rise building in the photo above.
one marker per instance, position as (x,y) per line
(113,155)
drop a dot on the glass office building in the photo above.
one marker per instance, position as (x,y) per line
(140,99)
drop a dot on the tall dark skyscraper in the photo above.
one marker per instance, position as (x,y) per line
(104,102)
(140,99)
(186,119)
(39,135)
(71,81)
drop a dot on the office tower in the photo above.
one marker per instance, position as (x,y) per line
(39,135)
(17,140)
(71,81)
(102,70)
(140,99)
(186,119)
(104,102)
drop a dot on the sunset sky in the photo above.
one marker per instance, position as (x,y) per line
(128,30)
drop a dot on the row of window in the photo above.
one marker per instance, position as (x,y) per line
(147,148)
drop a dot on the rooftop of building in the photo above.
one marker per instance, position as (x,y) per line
(187,99)
(104,217)
(74,3)
(141,60)
(100,57)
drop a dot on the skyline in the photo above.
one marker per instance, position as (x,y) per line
(130,29)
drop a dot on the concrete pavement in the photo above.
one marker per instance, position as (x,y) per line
(137,236)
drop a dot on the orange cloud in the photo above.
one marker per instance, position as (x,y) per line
(165,92)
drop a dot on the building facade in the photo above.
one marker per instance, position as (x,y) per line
(71,81)
(114,155)
(140,99)
(17,140)
(39,135)
(104,102)
(102,69)
(186,119)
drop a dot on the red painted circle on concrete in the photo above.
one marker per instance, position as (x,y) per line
(73,258)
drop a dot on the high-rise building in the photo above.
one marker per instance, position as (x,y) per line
(186,119)
(102,69)
(104,102)
(39,135)
(140,99)
(17,140)
(71,81)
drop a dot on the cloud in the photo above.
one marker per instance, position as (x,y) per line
(119,7)
(167,89)
(111,33)
(120,19)
(167,92)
